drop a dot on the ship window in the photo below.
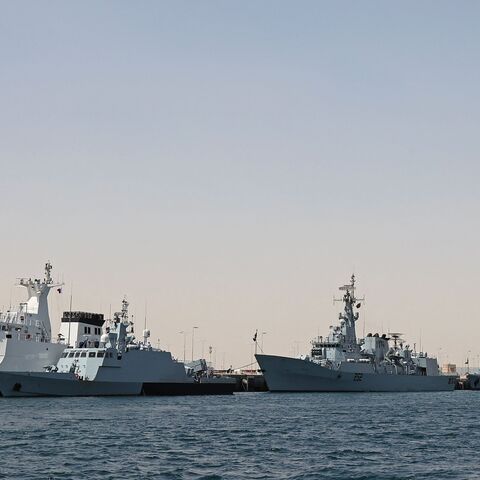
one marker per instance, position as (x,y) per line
(84,354)
(77,354)
(64,354)
(100,354)
(71,354)
(91,354)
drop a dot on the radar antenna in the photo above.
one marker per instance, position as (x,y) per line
(397,337)
(349,290)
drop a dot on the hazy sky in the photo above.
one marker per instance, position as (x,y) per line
(231,163)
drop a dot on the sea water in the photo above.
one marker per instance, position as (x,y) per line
(243,436)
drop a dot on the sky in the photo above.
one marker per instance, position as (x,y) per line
(230,164)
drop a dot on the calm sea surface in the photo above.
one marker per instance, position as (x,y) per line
(244,436)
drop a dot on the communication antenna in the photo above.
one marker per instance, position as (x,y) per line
(145,325)
(350,291)
(48,274)
(70,314)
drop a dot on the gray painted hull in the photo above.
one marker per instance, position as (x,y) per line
(43,384)
(32,384)
(284,374)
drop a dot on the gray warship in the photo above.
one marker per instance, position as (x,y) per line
(342,363)
(112,363)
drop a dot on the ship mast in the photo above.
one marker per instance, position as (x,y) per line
(37,305)
(348,315)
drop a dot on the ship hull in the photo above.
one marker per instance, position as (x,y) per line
(284,374)
(28,355)
(47,384)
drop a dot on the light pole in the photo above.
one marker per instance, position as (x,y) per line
(184,343)
(193,337)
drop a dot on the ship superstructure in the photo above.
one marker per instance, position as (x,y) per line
(26,332)
(341,362)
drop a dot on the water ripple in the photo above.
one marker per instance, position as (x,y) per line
(246,436)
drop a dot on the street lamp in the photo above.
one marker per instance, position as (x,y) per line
(193,336)
(184,343)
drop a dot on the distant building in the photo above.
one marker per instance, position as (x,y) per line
(449,368)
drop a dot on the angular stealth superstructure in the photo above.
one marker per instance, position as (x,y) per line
(26,333)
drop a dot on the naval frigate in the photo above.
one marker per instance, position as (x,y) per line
(342,363)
